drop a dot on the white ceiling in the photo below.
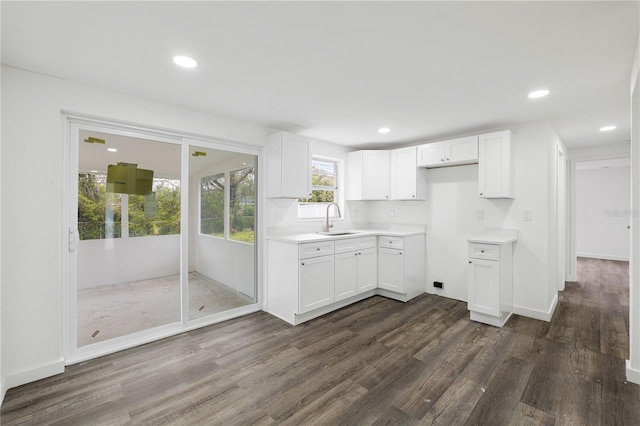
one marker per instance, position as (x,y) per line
(337,71)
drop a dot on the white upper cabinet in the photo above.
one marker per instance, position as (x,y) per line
(407,182)
(288,166)
(495,166)
(448,153)
(367,175)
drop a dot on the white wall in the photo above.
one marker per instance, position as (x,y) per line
(228,262)
(450,217)
(633,363)
(602,213)
(2,384)
(120,260)
(32,190)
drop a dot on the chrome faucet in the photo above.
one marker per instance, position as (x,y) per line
(326,223)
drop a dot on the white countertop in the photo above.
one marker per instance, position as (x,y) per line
(496,236)
(354,233)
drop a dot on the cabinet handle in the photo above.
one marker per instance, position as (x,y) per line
(302,263)
(481,194)
(317,248)
(442,159)
(400,253)
(447,159)
(413,196)
(481,251)
(470,262)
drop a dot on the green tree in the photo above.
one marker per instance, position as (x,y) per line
(92,208)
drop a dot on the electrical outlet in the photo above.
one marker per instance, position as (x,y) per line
(479,214)
(527,215)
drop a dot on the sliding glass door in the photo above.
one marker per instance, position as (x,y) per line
(222,230)
(162,235)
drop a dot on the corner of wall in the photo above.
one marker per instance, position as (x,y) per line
(31,375)
(633,375)
(536,314)
(3,390)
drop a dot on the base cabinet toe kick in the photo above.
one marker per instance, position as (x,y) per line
(306,280)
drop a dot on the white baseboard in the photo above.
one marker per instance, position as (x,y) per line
(633,375)
(28,376)
(602,256)
(536,314)
(3,391)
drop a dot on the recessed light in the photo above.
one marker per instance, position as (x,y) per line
(538,93)
(185,61)
(384,130)
(607,128)
(112,149)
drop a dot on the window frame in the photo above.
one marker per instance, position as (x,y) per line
(338,194)
(227,205)
(224,204)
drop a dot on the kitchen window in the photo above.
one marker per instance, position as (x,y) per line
(325,181)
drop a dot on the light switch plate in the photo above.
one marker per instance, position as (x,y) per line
(527,215)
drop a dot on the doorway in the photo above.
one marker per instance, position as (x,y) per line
(162,236)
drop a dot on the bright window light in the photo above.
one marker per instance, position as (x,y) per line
(112,149)
(384,130)
(607,128)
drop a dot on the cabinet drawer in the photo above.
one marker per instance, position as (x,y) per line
(315,249)
(343,246)
(484,251)
(366,242)
(353,244)
(391,242)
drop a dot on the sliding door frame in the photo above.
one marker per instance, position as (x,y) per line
(72,124)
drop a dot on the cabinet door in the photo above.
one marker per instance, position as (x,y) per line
(484,287)
(346,276)
(375,175)
(462,150)
(316,281)
(404,174)
(431,154)
(391,269)
(494,165)
(367,270)
(296,167)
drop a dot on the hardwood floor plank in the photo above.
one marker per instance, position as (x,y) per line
(526,415)
(329,406)
(501,399)
(456,403)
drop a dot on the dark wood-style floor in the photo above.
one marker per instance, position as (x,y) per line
(375,362)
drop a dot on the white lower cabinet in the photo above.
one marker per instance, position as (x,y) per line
(367,270)
(355,269)
(391,269)
(316,283)
(401,266)
(490,282)
(306,280)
